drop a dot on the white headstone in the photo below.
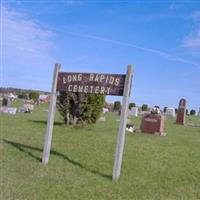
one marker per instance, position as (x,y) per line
(170,112)
(29,106)
(8,110)
(134,112)
(102,119)
(199,112)
(105,110)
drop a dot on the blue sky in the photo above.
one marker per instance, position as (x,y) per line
(160,38)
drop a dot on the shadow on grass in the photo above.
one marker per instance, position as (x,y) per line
(26,149)
(45,122)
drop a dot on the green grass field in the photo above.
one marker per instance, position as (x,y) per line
(81,161)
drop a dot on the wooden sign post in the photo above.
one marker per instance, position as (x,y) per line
(122,125)
(91,83)
(51,115)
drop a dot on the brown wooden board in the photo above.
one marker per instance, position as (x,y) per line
(105,84)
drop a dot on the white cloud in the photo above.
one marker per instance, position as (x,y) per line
(192,41)
(177,4)
(196,16)
(116,42)
(23,39)
(72,2)
(174,6)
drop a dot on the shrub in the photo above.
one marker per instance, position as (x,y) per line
(144,107)
(79,108)
(192,112)
(23,95)
(117,105)
(131,105)
(34,95)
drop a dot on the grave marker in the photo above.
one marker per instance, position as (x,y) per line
(153,123)
(181,112)
(134,111)
(102,119)
(8,110)
(170,112)
(6,102)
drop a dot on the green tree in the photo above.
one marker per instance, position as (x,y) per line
(117,105)
(23,95)
(79,108)
(192,112)
(144,107)
(131,105)
(34,95)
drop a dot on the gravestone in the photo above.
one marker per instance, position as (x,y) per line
(6,102)
(102,119)
(105,110)
(181,112)
(170,112)
(134,111)
(153,123)
(29,106)
(199,112)
(8,110)
(26,108)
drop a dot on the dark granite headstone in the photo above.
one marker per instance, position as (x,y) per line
(6,102)
(181,112)
(153,123)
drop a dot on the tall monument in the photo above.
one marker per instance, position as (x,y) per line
(181,112)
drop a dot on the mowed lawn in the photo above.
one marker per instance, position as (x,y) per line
(81,161)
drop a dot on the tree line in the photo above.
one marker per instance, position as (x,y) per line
(144,107)
(83,109)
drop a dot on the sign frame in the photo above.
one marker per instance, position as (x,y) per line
(122,126)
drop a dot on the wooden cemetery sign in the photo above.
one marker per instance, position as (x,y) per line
(104,84)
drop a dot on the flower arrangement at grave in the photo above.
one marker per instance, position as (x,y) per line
(155,110)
